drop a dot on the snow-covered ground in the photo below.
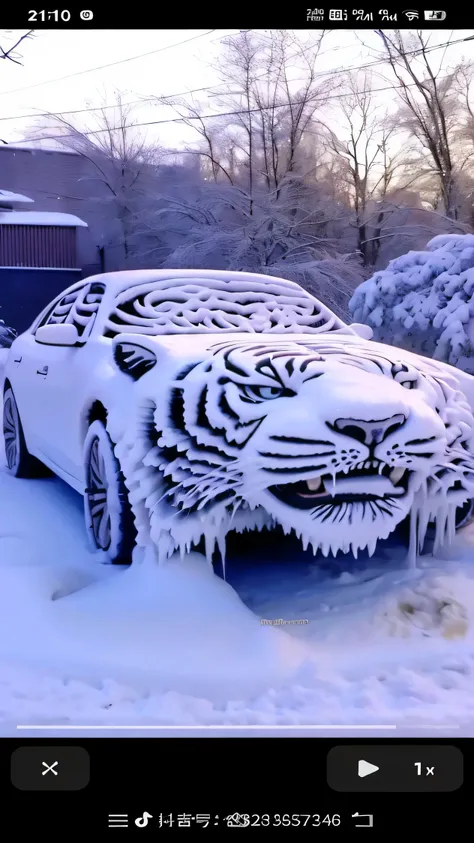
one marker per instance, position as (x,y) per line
(83,644)
(91,647)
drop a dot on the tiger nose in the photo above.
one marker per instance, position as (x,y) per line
(370,432)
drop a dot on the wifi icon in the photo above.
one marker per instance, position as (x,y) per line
(411,15)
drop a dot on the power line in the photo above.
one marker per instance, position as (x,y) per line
(111,64)
(323,73)
(104,107)
(228,113)
(408,53)
(195,90)
(220,114)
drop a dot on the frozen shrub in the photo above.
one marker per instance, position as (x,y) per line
(424,301)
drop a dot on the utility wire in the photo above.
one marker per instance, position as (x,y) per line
(111,64)
(221,114)
(233,113)
(323,73)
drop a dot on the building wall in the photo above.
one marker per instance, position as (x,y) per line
(66,182)
(25,292)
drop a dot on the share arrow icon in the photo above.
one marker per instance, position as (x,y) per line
(365,768)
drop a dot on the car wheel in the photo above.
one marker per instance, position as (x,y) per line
(20,463)
(109,517)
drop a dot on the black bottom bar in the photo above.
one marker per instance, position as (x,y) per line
(97,785)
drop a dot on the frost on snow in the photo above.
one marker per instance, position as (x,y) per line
(329,438)
(424,301)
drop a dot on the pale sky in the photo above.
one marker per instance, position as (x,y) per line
(37,86)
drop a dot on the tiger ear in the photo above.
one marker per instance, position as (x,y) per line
(134,360)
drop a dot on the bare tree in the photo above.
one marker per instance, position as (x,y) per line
(273,110)
(10,53)
(430,109)
(120,160)
(264,113)
(262,206)
(368,164)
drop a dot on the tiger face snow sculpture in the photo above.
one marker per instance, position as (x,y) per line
(327,438)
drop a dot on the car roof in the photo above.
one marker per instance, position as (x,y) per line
(239,299)
(125,279)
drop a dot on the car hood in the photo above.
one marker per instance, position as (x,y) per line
(184,348)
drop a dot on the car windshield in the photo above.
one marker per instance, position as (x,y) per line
(188,306)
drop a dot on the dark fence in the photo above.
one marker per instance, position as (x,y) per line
(25,292)
(37,246)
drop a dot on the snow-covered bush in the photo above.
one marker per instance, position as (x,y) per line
(7,335)
(424,301)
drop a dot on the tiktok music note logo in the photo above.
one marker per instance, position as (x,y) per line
(142,821)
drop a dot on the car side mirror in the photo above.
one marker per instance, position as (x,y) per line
(60,334)
(363,331)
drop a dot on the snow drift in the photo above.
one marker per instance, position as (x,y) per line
(82,643)
(424,301)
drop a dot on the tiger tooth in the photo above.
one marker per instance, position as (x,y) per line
(367,464)
(396,475)
(314,483)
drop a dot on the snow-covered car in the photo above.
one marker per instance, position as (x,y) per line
(187,404)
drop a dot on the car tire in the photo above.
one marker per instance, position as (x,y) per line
(20,463)
(109,517)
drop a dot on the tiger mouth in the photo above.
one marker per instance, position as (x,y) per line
(371,480)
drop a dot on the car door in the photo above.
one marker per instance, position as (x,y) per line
(60,382)
(21,374)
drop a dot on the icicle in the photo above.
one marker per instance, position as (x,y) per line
(451,526)
(440,528)
(221,543)
(354,550)
(424,518)
(412,554)
(371,547)
(209,546)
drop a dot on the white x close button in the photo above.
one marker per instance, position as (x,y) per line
(49,768)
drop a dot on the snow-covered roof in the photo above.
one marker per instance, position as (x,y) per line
(40,218)
(124,279)
(14,198)
(37,147)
